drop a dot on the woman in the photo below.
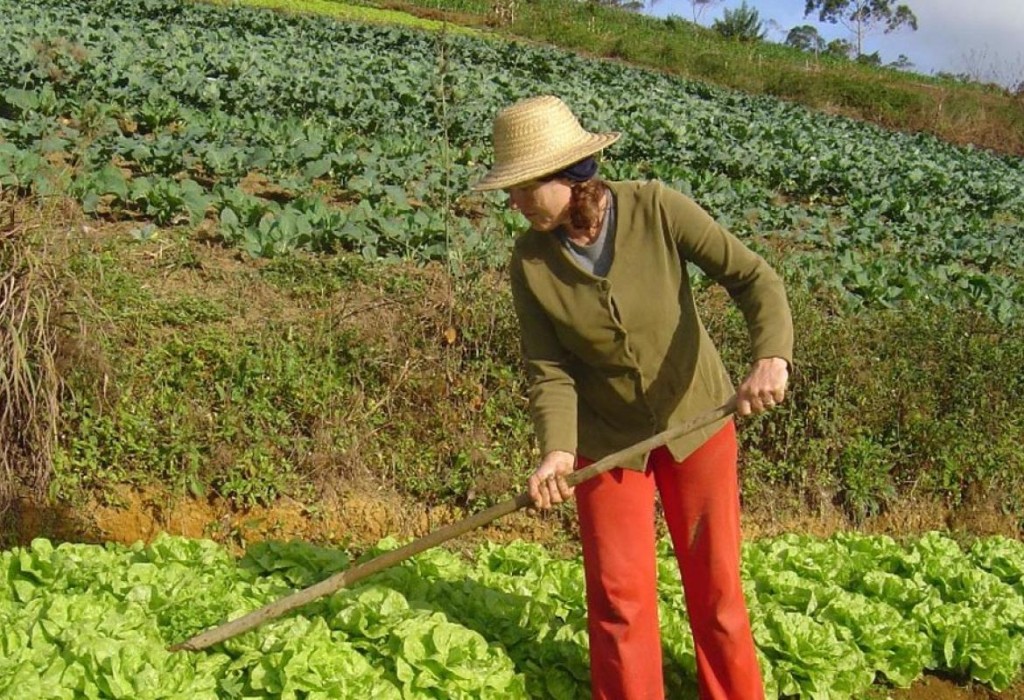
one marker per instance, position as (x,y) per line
(615,352)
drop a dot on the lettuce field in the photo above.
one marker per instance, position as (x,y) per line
(366,138)
(830,617)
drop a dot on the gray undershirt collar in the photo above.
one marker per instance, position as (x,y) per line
(595,258)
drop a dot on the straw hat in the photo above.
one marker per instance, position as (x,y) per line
(537,137)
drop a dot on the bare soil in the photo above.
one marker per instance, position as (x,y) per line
(354,519)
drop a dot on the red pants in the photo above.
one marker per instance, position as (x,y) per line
(700,497)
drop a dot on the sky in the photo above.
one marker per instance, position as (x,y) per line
(982,38)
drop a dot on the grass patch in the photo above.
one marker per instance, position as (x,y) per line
(252,379)
(355,13)
(885,405)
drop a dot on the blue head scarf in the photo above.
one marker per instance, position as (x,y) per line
(580,171)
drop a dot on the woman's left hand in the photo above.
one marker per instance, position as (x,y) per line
(764,387)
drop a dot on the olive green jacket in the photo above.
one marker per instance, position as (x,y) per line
(611,361)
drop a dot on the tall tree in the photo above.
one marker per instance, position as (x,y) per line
(861,17)
(806,38)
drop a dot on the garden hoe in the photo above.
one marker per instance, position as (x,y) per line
(388,559)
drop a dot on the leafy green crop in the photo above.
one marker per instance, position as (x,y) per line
(367,138)
(830,617)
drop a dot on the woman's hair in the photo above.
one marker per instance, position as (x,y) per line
(585,204)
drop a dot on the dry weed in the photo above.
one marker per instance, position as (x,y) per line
(29,380)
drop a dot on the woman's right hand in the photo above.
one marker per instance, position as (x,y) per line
(547,485)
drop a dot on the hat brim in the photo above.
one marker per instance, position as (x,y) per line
(512,174)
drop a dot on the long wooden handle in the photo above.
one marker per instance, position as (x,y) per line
(349,576)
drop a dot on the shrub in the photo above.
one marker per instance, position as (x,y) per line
(742,24)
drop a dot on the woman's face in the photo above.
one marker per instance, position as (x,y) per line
(544,204)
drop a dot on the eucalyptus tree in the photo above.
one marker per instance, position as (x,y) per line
(862,17)
(806,38)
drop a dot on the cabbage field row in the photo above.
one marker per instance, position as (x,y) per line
(366,138)
(830,617)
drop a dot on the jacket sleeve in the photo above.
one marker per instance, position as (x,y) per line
(550,386)
(755,287)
